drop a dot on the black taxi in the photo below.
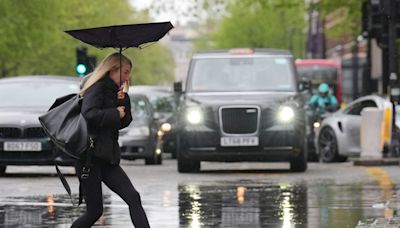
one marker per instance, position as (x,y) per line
(241,105)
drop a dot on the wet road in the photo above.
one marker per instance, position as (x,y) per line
(223,195)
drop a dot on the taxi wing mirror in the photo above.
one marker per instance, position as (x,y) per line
(178,87)
(304,86)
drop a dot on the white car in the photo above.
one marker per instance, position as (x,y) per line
(339,134)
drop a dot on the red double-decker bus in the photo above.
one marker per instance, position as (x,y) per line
(321,70)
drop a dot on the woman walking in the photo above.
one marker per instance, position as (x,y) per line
(106,108)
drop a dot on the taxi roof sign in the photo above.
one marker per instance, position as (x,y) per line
(241,51)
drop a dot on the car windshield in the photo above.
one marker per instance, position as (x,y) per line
(318,73)
(162,104)
(241,74)
(139,107)
(34,94)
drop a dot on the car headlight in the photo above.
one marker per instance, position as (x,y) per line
(139,131)
(285,114)
(194,116)
(316,124)
(165,127)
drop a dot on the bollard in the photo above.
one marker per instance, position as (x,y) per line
(371,133)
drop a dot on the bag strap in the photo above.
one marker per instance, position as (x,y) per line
(88,160)
(65,183)
(84,175)
(86,167)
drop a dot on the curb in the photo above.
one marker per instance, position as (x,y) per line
(376,161)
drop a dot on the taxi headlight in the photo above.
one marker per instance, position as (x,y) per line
(285,114)
(139,131)
(194,116)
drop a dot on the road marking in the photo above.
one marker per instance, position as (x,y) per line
(386,184)
(381,177)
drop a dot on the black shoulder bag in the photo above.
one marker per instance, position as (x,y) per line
(67,129)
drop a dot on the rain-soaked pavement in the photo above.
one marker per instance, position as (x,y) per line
(246,202)
(223,204)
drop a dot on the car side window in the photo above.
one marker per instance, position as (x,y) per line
(163,104)
(140,107)
(358,107)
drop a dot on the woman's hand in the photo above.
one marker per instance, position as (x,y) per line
(121,95)
(121,110)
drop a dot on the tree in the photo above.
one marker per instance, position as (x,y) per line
(350,25)
(148,70)
(262,24)
(32,40)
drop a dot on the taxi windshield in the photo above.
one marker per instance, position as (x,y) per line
(241,74)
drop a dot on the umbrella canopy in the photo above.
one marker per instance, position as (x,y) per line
(122,36)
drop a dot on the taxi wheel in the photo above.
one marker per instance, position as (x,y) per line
(327,146)
(299,163)
(312,155)
(185,165)
(3,170)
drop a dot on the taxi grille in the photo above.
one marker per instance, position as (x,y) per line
(239,120)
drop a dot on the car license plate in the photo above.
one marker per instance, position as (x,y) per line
(239,141)
(22,146)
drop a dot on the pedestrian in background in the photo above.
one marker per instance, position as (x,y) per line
(106,108)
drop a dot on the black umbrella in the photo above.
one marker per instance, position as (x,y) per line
(122,36)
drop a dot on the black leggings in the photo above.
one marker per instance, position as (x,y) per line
(116,179)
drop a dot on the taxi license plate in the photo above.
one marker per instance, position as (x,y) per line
(239,141)
(22,146)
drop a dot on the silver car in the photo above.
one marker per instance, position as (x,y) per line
(141,139)
(338,136)
(22,100)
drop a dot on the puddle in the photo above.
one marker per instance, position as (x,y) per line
(242,205)
(221,204)
(269,205)
(53,211)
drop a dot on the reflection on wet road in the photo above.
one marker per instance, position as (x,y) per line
(223,204)
(56,212)
(245,205)
(262,205)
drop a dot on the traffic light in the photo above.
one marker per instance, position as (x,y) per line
(82,63)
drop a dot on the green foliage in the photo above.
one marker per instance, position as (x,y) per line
(262,24)
(275,24)
(32,38)
(350,25)
(149,70)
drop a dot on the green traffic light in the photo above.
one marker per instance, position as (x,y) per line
(81,68)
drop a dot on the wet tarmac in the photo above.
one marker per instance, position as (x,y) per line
(222,204)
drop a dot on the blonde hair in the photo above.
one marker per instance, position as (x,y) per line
(109,63)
